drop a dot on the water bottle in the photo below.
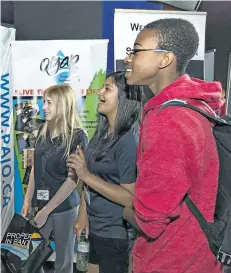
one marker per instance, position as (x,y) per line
(82,253)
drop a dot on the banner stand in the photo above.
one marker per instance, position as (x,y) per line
(7,163)
(37,65)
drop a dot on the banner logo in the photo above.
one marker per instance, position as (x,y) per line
(59,66)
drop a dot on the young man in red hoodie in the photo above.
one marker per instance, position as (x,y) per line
(177,153)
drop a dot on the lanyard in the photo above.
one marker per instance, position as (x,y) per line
(43,167)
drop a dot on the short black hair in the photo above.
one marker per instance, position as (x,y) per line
(178,36)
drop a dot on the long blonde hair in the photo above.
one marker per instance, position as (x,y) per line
(66,120)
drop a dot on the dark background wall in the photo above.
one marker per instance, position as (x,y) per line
(7,12)
(39,20)
(84,19)
(218,34)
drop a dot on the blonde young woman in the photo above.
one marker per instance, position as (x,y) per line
(52,189)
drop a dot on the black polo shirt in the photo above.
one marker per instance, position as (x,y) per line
(117,167)
(50,164)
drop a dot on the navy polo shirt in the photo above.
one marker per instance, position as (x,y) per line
(50,164)
(117,167)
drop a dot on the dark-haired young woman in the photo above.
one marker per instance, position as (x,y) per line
(108,169)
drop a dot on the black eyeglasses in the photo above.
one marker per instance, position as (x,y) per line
(131,52)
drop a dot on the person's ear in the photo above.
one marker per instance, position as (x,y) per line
(168,58)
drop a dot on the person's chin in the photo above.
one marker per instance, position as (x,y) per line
(130,81)
(99,110)
(129,78)
(134,81)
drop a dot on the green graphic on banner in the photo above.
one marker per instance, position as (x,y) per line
(89,116)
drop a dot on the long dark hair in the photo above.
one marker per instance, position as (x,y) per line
(127,119)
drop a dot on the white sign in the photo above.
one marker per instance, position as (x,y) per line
(128,23)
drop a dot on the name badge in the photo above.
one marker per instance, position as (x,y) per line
(87,195)
(43,194)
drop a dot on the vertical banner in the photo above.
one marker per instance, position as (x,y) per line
(133,21)
(36,65)
(7,35)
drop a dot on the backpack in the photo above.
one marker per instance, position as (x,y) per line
(218,233)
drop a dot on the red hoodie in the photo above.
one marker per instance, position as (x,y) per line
(177,154)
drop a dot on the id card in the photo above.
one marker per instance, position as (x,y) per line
(43,194)
(87,195)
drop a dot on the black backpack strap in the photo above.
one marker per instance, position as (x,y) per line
(198,215)
(190,204)
(181,103)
